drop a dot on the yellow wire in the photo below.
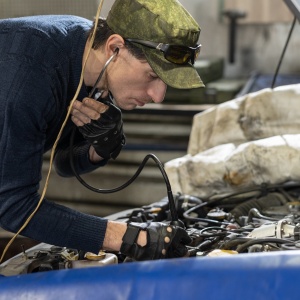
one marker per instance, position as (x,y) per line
(58,136)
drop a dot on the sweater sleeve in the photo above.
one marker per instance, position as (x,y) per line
(79,149)
(26,105)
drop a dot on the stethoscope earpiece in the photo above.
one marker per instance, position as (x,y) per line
(102,71)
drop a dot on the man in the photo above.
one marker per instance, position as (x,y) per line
(129,65)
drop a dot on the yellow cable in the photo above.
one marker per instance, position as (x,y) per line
(59,135)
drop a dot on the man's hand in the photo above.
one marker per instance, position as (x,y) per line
(163,241)
(100,124)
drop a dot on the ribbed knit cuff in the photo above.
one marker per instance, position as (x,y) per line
(88,233)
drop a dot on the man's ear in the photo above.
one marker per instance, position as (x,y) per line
(115,41)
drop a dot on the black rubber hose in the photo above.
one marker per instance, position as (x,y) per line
(243,209)
(172,207)
(243,247)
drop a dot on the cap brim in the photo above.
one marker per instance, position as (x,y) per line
(176,76)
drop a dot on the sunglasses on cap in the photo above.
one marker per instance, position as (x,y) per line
(173,53)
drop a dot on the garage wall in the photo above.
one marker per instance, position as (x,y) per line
(258,43)
(18,8)
(260,37)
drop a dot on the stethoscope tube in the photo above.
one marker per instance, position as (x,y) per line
(172,207)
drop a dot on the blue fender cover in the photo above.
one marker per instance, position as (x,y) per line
(272,275)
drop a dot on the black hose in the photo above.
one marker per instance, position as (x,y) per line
(272,199)
(223,233)
(172,207)
(283,52)
(196,219)
(244,246)
(231,244)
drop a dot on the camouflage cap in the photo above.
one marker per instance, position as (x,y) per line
(161,21)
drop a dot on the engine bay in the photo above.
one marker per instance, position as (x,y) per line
(263,219)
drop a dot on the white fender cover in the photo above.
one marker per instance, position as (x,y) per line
(251,117)
(245,142)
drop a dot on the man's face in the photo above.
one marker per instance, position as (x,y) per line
(133,82)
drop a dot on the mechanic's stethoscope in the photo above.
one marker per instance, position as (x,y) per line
(173,211)
(116,51)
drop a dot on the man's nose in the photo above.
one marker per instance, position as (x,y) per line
(158,91)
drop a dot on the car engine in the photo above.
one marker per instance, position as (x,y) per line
(263,219)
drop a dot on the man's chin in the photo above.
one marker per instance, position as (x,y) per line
(127,107)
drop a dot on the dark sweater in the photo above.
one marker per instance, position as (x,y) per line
(40,66)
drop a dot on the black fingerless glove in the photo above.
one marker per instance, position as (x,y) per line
(106,133)
(163,241)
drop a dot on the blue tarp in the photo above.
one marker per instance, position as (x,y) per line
(245,276)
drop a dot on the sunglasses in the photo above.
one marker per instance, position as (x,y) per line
(173,53)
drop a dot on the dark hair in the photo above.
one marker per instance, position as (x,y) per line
(103,32)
